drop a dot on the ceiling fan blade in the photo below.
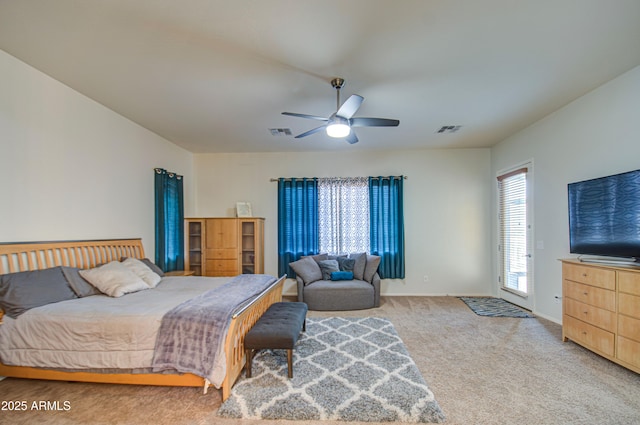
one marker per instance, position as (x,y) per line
(351,137)
(350,106)
(312,117)
(310,132)
(373,122)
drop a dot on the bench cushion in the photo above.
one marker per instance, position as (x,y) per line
(279,326)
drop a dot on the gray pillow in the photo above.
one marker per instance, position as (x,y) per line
(346,264)
(317,257)
(78,284)
(360,263)
(23,291)
(157,270)
(327,267)
(335,257)
(373,261)
(308,270)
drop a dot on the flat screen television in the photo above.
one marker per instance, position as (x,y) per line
(604,216)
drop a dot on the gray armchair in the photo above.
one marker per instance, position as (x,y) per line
(361,292)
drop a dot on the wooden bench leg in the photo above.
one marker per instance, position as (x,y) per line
(290,362)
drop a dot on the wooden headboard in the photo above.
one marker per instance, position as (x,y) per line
(25,256)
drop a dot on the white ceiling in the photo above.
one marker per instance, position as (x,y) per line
(214,75)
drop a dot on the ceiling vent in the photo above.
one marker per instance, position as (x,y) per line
(449,129)
(280,131)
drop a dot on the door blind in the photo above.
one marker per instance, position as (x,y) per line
(513,244)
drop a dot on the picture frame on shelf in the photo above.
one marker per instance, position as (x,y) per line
(243,209)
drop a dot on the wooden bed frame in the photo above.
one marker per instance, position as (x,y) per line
(17,257)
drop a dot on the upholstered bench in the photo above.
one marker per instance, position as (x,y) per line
(278,328)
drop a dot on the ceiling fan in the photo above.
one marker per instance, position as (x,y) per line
(340,123)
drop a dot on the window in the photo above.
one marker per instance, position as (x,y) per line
(514,230)
(341,216)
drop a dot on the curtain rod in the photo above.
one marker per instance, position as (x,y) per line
(384,177)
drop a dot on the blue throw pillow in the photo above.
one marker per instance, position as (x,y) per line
(341,275)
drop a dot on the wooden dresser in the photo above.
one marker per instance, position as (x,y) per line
(601,310)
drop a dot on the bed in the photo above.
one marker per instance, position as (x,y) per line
(21,257)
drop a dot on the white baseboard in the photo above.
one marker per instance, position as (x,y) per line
(549,318)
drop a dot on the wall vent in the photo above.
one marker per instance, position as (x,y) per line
(449,129)
(280,131)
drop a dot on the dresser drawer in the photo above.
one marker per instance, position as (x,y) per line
(221,273)
(629,305)
(603,278)
(591,295)
(629,351)
(222,254)
(592,337)
(222,265)
(629,283)
(629,327)
(599,317)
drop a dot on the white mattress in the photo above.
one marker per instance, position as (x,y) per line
(96,332)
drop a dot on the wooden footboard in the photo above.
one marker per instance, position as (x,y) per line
(85,254)
(241,323)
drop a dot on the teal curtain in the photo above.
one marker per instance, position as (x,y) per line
(169,215)
(386,218)
(297,221)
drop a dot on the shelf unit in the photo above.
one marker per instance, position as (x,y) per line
(248,247)
(194,245)
(224,246)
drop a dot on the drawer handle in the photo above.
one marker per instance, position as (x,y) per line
(585,293)
(584,275)
(584,332)
(585,312)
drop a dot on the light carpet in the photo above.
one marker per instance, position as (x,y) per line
(494,307)
(346,369)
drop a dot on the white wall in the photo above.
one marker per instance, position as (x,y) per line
(594,136)
(447,206)
(73,169)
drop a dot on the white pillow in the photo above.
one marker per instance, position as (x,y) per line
(114,279)
(143,271)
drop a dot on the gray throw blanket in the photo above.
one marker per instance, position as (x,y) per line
(192,335)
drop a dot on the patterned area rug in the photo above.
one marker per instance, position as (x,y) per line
(494,307)
(345,369)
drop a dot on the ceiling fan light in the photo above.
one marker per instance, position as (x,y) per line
(338,130)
